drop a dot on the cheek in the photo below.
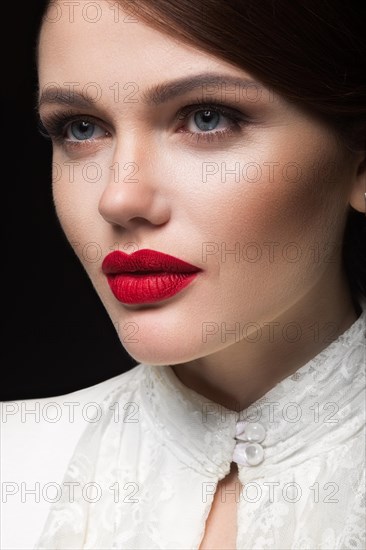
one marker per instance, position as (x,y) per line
(294,202)
(77,186)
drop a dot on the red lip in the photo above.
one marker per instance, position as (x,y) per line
(146,276)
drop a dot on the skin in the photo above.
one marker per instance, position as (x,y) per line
(172,210)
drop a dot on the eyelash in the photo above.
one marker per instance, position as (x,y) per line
(237,119)
(57,124)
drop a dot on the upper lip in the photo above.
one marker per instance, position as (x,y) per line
(145,260)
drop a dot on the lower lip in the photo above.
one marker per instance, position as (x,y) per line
(149,288)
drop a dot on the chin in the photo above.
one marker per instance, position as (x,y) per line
(155,353)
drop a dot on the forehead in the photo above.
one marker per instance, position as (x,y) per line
(104,45)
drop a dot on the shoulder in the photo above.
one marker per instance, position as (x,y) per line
(123,383)
(68,414)
(38,439)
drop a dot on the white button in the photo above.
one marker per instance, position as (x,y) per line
(250,431)
(254,454)
(255,432)
(248,454)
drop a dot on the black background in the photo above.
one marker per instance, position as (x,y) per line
(57,336)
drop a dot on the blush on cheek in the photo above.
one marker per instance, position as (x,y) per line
(294,223)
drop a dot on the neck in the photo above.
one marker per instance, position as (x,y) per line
(241,373)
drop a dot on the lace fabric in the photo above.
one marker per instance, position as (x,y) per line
(145,478)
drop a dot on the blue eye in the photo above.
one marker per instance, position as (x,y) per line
(82,130)
(68,129)
(206,120)
(210,121)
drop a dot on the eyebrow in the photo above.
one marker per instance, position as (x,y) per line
(167,91)
(157,94)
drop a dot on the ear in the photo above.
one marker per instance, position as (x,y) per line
(357,197)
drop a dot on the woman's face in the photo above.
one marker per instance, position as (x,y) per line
(252,191)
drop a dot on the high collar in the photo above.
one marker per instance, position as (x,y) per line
(306,414)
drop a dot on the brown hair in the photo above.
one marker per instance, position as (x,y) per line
(309,51)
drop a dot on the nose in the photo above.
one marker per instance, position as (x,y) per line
(133,195)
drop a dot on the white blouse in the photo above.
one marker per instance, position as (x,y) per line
(145,471)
